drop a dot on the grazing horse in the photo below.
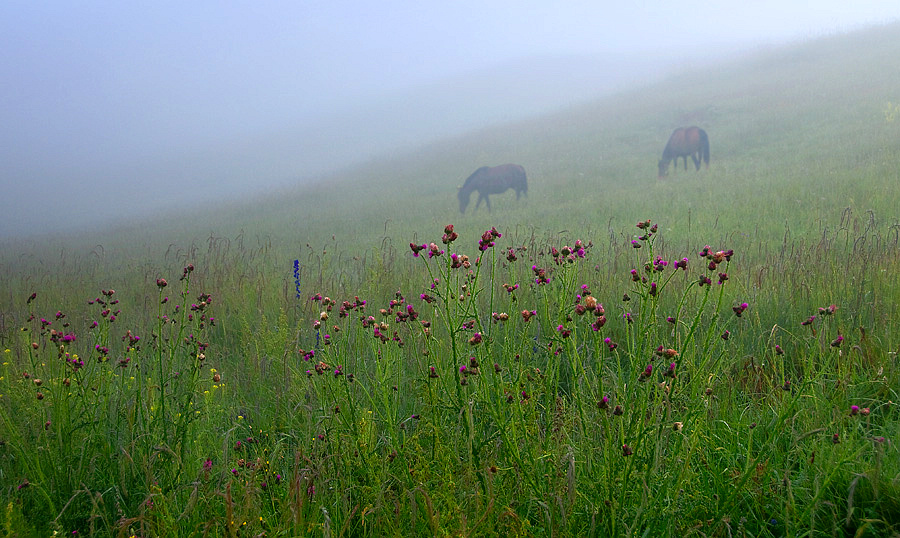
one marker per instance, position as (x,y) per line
(492,180)
(684,142)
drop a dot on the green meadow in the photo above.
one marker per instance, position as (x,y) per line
(713,353)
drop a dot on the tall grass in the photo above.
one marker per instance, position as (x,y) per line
(547,369)
(523,388)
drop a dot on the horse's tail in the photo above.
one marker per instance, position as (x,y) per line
(704,146)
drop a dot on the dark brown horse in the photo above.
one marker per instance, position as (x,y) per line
(492,180)
(684,142)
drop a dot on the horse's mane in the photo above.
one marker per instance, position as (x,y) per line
(475,173)
(669,150)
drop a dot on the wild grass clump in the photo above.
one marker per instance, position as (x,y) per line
(101,418)
(504,389)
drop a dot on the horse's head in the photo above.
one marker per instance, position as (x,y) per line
(663,168)
(464,195)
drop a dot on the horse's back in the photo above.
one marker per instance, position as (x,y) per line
(515,176)
(496,179)
(508,170)
(684,141)
(694,136)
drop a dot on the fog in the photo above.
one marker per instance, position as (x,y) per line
(116,110)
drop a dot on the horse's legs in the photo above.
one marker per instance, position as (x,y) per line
(696,157)
(487,200)
(478,203)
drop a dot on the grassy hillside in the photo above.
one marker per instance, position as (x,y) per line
(798,134)
(768,412)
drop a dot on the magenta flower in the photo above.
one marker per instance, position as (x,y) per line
(604,402)
(671,371)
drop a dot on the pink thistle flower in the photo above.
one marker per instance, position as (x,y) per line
(604,402)
(645,375)
(671,371)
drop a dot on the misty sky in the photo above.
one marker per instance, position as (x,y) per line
(116,108)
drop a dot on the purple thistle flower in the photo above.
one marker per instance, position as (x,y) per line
(417,248)
(604,402)
(671,371)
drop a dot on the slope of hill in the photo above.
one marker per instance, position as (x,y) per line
(798,134)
